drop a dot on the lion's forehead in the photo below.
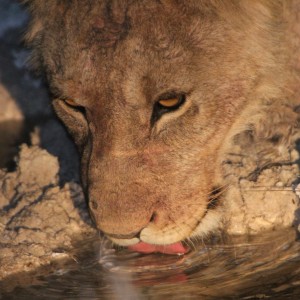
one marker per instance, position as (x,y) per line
(107,36)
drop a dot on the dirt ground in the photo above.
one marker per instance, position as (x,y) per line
(42,207)
(269,202)
(39,220)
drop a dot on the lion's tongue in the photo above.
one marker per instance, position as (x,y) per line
(142,247)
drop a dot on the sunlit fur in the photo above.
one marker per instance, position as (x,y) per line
(236,62)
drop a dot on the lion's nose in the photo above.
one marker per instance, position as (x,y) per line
(133,234)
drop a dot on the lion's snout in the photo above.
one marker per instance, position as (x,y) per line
(131,207)
(122,203)
(122,219)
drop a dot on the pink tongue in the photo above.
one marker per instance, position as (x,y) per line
(142,247)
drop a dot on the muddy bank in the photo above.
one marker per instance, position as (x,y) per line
(263,187)
(270,203)
(39,220)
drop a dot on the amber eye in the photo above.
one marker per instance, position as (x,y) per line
(172,102)
(165,104)
(74,106)
(71,102)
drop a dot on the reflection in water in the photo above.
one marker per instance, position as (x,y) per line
(266,266)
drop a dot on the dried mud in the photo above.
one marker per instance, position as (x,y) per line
(269,203)
(39,220)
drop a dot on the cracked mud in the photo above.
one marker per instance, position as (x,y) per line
(39,220)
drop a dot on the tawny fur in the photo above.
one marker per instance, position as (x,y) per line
(237,62)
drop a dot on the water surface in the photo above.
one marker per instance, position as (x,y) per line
(261,267)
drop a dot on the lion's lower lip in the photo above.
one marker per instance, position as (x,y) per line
(176,248)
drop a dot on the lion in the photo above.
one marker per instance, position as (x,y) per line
(156,92)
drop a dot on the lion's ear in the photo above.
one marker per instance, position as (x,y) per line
(41,12)
(35,29)
(33,5)
(35,9)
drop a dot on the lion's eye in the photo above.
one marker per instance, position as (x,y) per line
(169,103)
(71,102)
(166,103)
(73,105)
(172,102)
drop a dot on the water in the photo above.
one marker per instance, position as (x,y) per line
(261,267)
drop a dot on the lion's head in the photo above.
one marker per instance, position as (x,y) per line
(152,92)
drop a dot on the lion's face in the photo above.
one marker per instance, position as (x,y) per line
(150,91)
